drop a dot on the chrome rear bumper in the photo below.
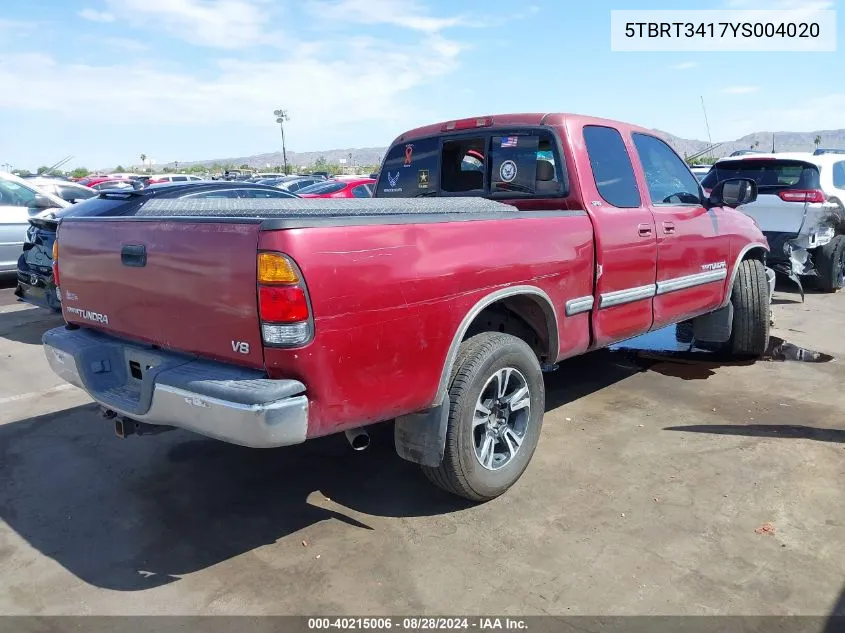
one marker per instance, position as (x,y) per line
(221,401)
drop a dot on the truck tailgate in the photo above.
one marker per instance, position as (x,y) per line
(182,285)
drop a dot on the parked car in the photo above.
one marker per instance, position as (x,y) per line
(292,183)
(339,188)
(161,178)
(68,191)
(266,323)
(117,183)
(800,210)
(746,152)
(20,200)
(700,171)
(91,181)
(34,265)
(827,150)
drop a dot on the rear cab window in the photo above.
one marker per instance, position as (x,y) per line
(494,163)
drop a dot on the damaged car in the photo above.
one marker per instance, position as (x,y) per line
(799,209)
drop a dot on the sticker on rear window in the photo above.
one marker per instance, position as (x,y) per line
(508,171)
(510,141)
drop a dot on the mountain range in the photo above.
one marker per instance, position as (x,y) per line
(783,141)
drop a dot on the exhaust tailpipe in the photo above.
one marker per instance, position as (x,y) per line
(358,438)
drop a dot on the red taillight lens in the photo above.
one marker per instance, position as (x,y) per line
(282,304)
(56,262)
(802,195)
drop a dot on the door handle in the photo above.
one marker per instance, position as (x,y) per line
(668,227)
(134,255)
(644,230)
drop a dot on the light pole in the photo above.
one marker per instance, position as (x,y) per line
(281,117)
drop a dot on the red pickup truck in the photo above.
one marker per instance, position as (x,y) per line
(495,248)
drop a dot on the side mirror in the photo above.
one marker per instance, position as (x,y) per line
(42,202)
(733,193)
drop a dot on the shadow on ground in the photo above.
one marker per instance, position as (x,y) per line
(28,325)
(138,513)
(786,431)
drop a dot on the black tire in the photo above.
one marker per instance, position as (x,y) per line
(830,265)
(479,359)
(751,319)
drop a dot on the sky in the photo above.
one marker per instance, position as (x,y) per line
(182,80)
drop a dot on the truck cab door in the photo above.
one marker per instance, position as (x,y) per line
(626,245)
(693,247)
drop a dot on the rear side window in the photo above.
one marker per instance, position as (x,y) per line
(263,193)
(771,175)
(611,165)
(74,193)
(839,175)
(323,188)
(410,170)
(361,191)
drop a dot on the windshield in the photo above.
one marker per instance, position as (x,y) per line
(769,174)
(322,188)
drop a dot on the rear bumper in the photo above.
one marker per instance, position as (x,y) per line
(221,401)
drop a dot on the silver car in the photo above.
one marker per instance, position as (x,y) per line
(19,201)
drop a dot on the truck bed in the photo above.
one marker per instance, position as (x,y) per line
(386,300)
(302,213)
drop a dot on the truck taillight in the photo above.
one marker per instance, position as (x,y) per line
(56,262)
(282,302)
(802,195)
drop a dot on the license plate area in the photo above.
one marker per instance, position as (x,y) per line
(139,364)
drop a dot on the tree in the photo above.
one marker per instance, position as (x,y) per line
(818,140)
(23,173)
(244,166)
(119,169)
(80,172)
(42,170)
(144,160)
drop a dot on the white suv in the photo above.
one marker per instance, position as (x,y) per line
(800,207)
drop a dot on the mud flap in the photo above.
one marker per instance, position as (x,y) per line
(714,327)
(421,437)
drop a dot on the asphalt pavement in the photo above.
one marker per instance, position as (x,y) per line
(663,483)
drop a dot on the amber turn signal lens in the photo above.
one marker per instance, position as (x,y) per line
(55,249)
(275,269)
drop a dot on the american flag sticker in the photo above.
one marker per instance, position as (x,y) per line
(510,141)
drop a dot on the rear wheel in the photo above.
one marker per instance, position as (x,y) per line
(750,299)
(497,400)
(830,264)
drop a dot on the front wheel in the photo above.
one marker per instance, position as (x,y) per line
(497,399)
(751,320)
